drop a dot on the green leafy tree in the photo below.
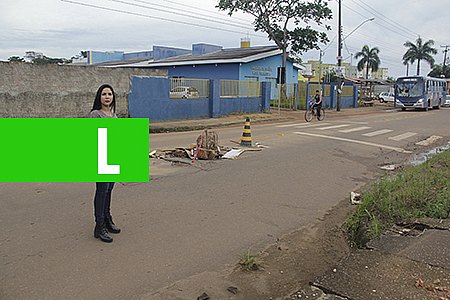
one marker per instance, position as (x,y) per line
(369,59)
(439,70)
(420,51)
(49,60)
(406,62)
(16,59)
(281,20)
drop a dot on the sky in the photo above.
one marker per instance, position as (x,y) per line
(63,28)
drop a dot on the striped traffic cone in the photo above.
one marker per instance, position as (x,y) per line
(246,139)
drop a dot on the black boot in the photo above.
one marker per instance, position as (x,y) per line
(110,226)
(101,233)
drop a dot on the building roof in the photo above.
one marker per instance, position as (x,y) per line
(231,55)
(121,63)
(369,81)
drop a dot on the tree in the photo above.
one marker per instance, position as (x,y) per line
(369,59)
(420,51)
(280,19)
(406,62)
(49,60)
(16,59)
(439,70)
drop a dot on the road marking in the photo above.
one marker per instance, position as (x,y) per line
(312,125)
(402,136)
(354,141)
(290,125)
(378,132)
(429,140)
(353,122)
(354,129)
(333,127)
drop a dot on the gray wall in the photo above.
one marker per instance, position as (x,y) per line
(28,90)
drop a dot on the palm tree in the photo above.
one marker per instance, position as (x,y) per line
(420,51)
(407,63)
(369,59)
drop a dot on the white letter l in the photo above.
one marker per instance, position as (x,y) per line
(103,167)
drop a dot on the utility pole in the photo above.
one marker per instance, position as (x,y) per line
(320,69)
(445,54)
(339,60)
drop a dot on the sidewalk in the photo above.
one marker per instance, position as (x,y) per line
(239,119)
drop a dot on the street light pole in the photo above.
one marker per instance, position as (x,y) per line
(356,28)
(339,60)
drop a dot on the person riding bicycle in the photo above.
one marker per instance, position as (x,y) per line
(317,99)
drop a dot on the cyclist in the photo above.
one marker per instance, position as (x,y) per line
(317,99)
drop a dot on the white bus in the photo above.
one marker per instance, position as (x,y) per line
(420,92)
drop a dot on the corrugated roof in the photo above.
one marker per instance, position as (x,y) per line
(122,62)
(234,55)
(231,53)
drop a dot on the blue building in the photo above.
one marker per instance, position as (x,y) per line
(213,62)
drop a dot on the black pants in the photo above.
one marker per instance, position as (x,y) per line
(318,108)
(102,201)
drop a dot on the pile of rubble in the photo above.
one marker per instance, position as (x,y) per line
(206,148)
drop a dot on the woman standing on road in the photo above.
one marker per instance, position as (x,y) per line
(104,107)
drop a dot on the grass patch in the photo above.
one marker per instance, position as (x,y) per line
(249,262)
(414,192)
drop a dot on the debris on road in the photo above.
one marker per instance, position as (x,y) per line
(432,139)
(390,167)
(232,289)
(203,296)
(355,198)
(233,153)
(206,148)
(258,145)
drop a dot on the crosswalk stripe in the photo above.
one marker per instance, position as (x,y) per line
(378,132)
(354,141)
(290,125)
(333,127)
(311,125)
(354,129)
(402,136)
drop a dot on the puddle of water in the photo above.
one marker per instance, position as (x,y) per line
(423,157)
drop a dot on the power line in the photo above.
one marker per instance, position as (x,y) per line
(384,18)
(202,9)
(382,25)
(160,18)
(247,23)
(180,14)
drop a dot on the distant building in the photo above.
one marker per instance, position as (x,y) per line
(312,69)
(206,61)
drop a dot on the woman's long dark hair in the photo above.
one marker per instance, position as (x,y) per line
(98,104)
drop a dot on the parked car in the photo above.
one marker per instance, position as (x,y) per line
(184,92)
(447,101)
(386,97)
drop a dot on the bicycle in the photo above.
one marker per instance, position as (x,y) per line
(311,113)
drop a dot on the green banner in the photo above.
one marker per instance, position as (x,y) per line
(74,150)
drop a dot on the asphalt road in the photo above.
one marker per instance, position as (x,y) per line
(192,219)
